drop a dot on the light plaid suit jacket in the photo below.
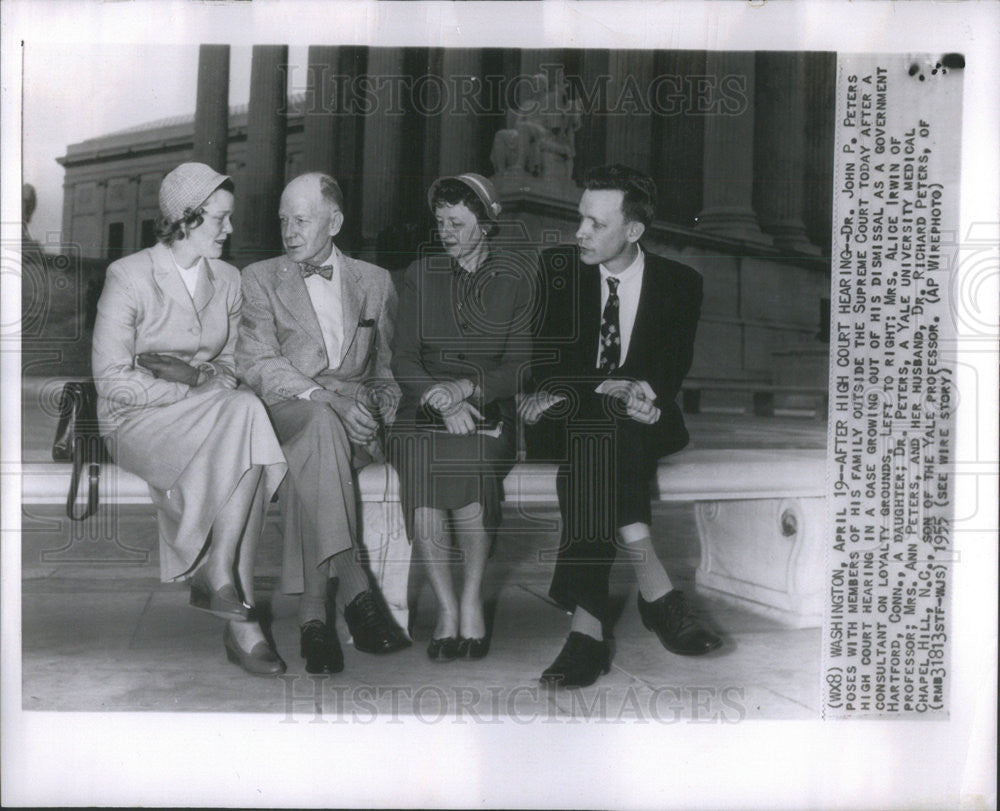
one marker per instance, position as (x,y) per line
(280,350)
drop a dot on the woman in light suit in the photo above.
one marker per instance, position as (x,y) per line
(170,411)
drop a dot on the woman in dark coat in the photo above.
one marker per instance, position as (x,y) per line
(462,342)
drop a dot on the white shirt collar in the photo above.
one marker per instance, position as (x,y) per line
(630,272)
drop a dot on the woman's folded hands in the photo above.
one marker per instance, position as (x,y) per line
(203,377)
(450,398)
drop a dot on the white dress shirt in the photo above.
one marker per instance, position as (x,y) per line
(629,288)
(325,298)
(189,275)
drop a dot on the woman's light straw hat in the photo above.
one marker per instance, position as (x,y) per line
(187,187)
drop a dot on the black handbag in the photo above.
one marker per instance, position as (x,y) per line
(78,440)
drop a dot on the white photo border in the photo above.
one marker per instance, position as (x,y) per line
(163,759)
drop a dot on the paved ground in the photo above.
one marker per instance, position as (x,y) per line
(109,636)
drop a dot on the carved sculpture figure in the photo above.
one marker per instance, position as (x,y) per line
(541,143)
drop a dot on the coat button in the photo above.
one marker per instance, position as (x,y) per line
(464,325)
(461,356)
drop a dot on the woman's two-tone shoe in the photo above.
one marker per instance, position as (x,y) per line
(260,660)
(223,602)
(444,649)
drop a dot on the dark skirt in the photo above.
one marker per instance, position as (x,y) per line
(448,471)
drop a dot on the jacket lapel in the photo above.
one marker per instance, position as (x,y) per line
(204,290)
(167,278)
(643,314)
(655,310)
(291,291)
(590,313)
(353,297)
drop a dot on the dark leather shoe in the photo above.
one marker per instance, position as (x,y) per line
(469,648)
(261,660)
(579,663)
(372,629)
(675,625)
(222,602)
(444,649)
(319,646)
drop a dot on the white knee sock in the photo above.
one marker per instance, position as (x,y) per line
(649,572)
(586,623)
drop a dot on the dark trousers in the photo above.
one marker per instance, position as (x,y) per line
(606,463)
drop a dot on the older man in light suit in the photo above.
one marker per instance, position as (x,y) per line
(314,344)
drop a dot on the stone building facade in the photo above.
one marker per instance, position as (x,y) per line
(740,144)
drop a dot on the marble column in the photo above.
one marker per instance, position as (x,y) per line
(461,128)
(211,114)
(383,144)
(136,223)
(352,61)
(320,124)
(102,217)
(592,89)
(263,178)
(330,128)
(727,179)
(630,118)
(679,134)
(333,128)
(821,81)
(779,149)
(424,104)
(67,233)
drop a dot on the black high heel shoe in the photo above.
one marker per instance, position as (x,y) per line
(469,648)
(444,649)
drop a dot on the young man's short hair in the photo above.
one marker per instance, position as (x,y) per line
(639,203)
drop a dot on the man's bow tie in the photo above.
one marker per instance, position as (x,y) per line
(326,271)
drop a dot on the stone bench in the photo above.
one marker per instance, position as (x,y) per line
(760,516)
(764,395)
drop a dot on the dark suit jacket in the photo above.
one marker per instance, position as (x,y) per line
(662,342)
(452,325)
